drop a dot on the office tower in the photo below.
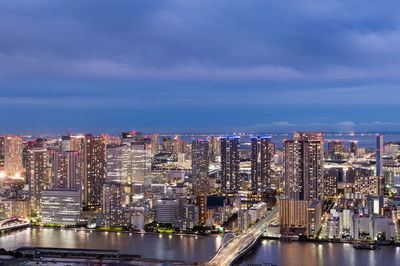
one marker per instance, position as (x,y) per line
(1,151)
(303,161)
(167,145)
(200,164)
(201,202)
(141,162)
(66,170)
(230,163)
(379,155)
(261,157)
(335,150)
(112,211)
(95,164)
(331,180)
(176,145)
(13,155)
(118,163)
(61,206)
(36,173)
(354,148)
(155,144)
(166,210)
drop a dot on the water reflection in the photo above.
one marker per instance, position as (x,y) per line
(160,246)
(327,254)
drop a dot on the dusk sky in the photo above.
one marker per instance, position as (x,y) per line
(200,66)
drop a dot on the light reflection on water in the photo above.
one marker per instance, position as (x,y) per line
(202,248)
(327,254)
(188,248)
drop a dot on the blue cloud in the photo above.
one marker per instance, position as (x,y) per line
(169,62)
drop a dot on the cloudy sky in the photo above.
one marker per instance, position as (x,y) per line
(178,66)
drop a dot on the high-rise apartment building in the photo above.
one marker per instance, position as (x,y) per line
(379,155)
(155,144)
(112,210)
(354,148)
(37,173)
(200,164)
(13,155)
(230,163)
(1,151)
(331,180)
(215,148)
(303,161)
(95,164)
(176,145)
(166,145)
(335,150)
(261,156)
(66,170)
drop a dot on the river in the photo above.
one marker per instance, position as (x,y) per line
(201,248)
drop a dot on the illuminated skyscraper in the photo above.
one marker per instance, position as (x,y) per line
(13,155)
(303,161)
(331,180)
(118,163)
(95,167)
(37,174)
(177,145)
(166,145)
(141,162)
(1,151)
(66,170)
(155,144)
(261,156)
(112,207)
(200,164)
(215,148)
(354,148)
(335,150)
(379,155)
(230,163)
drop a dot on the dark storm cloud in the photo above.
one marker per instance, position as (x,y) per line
(140,55)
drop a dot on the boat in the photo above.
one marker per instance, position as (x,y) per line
(366,245)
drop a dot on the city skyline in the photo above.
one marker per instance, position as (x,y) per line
(199,66)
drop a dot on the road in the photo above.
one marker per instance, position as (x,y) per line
(227,254)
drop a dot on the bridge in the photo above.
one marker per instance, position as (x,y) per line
(13,223)
(236,245)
